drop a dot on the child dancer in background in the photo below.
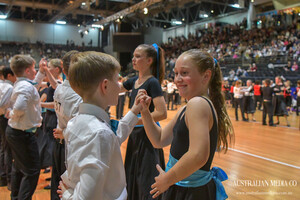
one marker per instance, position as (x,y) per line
(141,156)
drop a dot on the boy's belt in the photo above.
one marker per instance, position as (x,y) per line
(31,130)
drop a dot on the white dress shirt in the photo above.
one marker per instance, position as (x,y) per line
(237,92)
(26,110)
(5,94)
(66,103)
(247,90)
(95,169)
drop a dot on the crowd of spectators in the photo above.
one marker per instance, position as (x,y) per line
(235,42)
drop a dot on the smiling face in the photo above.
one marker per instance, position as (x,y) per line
(189,81)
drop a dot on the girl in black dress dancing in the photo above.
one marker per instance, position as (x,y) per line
(279,102)
(141,156)
(195,133)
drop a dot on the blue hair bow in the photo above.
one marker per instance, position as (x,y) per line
(157,59)
(215,62)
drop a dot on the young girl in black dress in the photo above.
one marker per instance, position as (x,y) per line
(141,156)
(195,133)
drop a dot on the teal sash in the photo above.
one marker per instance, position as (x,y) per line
(201,177)
(141,125)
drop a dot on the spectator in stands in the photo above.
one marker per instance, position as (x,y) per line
(294,67)
(231,75)
(245,73)
(252,68)
(239,72)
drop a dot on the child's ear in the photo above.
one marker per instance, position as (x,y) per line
(104,86)
(207,75)
(150,60)
(26,70)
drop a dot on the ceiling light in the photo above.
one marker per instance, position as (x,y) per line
(145,11)
(236,5)
(3,16)
(61,22)
(175,22)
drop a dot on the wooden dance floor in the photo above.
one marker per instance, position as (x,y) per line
(264,162)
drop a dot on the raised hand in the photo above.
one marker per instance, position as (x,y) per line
(143,99)
(43,65)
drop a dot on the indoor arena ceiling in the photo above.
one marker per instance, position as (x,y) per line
(87,12)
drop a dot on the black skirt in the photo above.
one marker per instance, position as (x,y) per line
(288,101)
(140,165)
(205,192)
(279,106)
(248,103)
(46,140)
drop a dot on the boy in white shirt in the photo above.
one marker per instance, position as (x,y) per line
(24,118)
(66,105)
(5,153)
(95,168)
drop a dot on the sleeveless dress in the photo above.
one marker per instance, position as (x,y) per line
(179,147)
(279,102)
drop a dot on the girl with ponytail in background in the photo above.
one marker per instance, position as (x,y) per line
(195,133)
(141,156)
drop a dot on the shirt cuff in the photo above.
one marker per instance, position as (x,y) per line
(131,118)
(67,194)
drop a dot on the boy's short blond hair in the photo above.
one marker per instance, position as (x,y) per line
(67,59)
(88,69)
(19,63)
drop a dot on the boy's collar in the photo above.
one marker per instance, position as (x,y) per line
(8,81)
(85,108)
(22,78)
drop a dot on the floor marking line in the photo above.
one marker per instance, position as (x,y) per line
(264,158)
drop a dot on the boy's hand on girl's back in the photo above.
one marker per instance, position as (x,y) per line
(7,114)
(61,189)
(58,134)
